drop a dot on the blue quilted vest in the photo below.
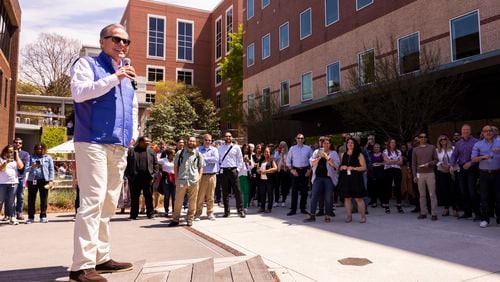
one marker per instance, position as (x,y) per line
(107,119)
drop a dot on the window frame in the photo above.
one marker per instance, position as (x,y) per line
(253,48)
(219,18)
(149,94)
(215,78)
(253,103)
(164,18)
(288,35)
(359,64)
(177,41)
(419,49)
(300,24)
(262,42)
(154,67)
(366,5)
(228,38)
(218,100)
(184,70)
(253,10)
(452,56)
(301,88)
(281,94)
(326,78)
(263,101)
(338,14)
(262,4)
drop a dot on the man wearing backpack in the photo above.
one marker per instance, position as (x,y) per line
(188,167)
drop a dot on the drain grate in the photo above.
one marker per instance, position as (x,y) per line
(354,261)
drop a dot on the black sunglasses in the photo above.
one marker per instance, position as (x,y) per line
(117,39)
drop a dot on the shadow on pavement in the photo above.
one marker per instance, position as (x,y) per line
(53,273)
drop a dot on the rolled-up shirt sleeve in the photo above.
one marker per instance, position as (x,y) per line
(83,86)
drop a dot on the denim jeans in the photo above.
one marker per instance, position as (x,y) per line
(490,188)
(7,194)
(169,191)
(20,197)
(467,183)
(322,185)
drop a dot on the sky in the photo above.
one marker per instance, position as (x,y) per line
(80,19)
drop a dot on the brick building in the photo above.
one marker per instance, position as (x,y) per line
(10,24)
(179,43)
(302,52)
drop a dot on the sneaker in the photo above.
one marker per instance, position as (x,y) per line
(387,210)
(283,205)
(20,217)
(86,275)
(374,205)
(242,214)
(434,217)
(328,219)
(29,221)
(189,223)
(400,210)
(5,218)
(196,219)
(113,266)
(13,221)
(446,212)
(483,224)
(275,205)
(211,217)
(44,220)
(246,210)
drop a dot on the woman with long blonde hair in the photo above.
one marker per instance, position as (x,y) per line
(446,193)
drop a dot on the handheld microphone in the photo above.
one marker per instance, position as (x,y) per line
(127,62)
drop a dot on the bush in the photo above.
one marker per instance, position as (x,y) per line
(59,200)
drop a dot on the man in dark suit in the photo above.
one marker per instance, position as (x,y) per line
(141,167)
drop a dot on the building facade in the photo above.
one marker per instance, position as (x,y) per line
(177,43)
(302,54)
(10,25)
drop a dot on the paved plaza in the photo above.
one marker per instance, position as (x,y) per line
(400,247)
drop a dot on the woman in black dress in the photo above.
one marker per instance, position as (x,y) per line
(352,185)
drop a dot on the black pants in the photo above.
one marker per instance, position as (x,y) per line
(32,192)
(138,184)
(376,189)
(284,184)
(392,175)
(230,182)
(299,184)
(489,184)
(445,190)
(266,191)
(77,199)
(254,187)
(218,188)
(467,183)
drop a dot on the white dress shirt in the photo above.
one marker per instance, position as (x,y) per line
(233,159)
(84,88)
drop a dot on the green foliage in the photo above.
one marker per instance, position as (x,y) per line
(179,111)
(232,72)
(26,88)
(53,136)
(60,199)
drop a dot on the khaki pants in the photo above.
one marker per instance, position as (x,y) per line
(100,169)
(180,191)
(428,179)
(206,189)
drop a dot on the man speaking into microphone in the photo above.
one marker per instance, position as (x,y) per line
(106,123)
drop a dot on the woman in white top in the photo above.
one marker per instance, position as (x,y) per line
(266,167)
(284,177)
(243,174)
(168,178)
(447,195)
(10,162)
(393,159)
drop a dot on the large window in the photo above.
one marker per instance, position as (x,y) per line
(251,103)
(6,31)
(250,54)
(155,73)
(306,86)
(331,11)
(185,40)
(305,23)
(360,4)
(150,97)
(465,38)
(250,9)
(229,28)
(409,53)
(266,99)
(185,76)
(366,67)
(265,3)
(284,36)
(156,36)
(218,76)
(333,78)
(285,93)
(218,38)
(266,46)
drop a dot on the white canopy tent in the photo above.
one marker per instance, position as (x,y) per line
(67,147)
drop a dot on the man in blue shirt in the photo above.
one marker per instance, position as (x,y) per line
(487,153)
(300,169)
(25,158)
(206,189)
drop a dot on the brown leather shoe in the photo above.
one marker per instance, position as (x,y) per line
(113,266)
(86,275)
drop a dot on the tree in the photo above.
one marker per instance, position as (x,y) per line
(47,61)
(232,72)
(400,105)
(26,88)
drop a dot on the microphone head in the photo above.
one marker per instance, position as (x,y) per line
(127,61)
